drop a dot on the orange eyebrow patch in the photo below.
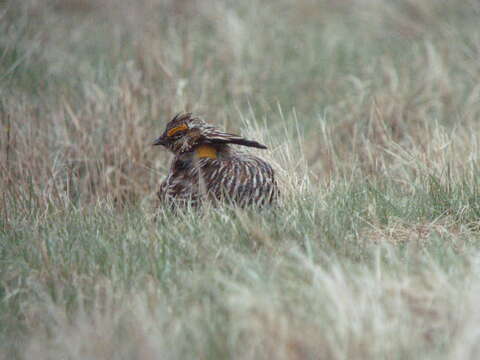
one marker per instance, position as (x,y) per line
(174,130)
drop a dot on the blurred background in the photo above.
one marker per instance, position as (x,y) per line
(85,85)
(370,110)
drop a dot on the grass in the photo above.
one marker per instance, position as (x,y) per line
(370,111)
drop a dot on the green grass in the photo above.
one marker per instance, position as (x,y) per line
(370,111)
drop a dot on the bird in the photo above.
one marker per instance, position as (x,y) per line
(208,167)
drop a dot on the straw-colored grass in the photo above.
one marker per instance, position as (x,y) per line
(371,113)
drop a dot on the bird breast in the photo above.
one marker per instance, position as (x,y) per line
(244,179)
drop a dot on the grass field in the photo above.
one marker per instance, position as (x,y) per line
(371,113)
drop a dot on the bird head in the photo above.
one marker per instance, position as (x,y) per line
(185,132)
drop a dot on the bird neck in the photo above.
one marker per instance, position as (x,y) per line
(205,151)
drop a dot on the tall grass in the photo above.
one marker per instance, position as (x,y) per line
(370,110)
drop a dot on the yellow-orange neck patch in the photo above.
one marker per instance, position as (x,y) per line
(206,151)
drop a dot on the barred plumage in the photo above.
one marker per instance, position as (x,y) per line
(207,167)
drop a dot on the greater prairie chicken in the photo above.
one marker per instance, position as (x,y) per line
(207,166)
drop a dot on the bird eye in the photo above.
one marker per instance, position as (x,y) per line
(176,129)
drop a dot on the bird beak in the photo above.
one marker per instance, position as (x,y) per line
(160,141)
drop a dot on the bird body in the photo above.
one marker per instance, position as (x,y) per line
(207,167)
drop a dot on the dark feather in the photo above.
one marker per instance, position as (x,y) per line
(225,138)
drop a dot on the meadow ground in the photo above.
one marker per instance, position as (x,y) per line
(371,113)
